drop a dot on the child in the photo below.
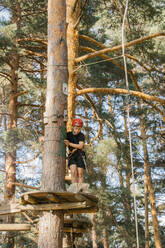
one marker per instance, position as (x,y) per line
(75,142)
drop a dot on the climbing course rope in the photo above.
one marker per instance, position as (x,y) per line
(128,115)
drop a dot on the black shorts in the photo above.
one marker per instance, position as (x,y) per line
(76,159)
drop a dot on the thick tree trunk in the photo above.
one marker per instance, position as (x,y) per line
(73,12)
(53,173)
(147,174)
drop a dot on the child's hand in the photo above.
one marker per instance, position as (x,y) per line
(66,142)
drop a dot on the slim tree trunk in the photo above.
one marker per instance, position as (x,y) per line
(146,212)
(128,170)
(147,173)
(53,172)
(94,235)
(105,237)
(10,156)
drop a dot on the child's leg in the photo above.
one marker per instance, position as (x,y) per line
(80,175)
(74,173)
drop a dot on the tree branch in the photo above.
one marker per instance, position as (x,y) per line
(29,160)
(122,67)
(121,91)
(119,47)
(33,40)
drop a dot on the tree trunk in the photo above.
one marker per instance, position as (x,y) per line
(146,212)
(105,236)
(10,156)
(94,235)
(73,12)
(53,172)
(127,202)
(147,174)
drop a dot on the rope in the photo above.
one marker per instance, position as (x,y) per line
(97,62)
(128,116)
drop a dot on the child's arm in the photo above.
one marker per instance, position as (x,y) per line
(77,146)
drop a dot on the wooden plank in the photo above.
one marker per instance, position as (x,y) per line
(9,209)
(75,230)
(30,199)
(53,198)
(90,197)
(81,211)
(51,206)
(15,227)
(42,195)
(81,197)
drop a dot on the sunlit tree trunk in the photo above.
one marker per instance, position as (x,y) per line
(53,172)
(105,238)
(10,155)
(73,12)
(94,235)
(147,174)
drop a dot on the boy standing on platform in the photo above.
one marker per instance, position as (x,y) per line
(75,142)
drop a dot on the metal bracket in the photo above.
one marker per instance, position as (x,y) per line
(65,89)
(65,115)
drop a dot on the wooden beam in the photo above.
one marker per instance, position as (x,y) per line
(52,198)
(75,230)
(15,227)
(81,211)
(81,197)
(26,186)
(6,209)
(27,217)
(30,199)
(52,206)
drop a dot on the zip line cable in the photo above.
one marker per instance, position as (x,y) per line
(128,115)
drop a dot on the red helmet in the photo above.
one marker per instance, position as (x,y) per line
(77,122)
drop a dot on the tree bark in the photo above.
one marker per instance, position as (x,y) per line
(146,212)
(10,156)
(53,172)
(94,235)
(147,174)
(105,236)
(73,12)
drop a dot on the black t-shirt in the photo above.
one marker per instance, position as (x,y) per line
(75,139)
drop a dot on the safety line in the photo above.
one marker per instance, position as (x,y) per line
(128,115)
(97,62)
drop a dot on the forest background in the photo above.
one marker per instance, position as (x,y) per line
(23,66)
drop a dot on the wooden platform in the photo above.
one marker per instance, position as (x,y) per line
(67,201)
(45,201)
